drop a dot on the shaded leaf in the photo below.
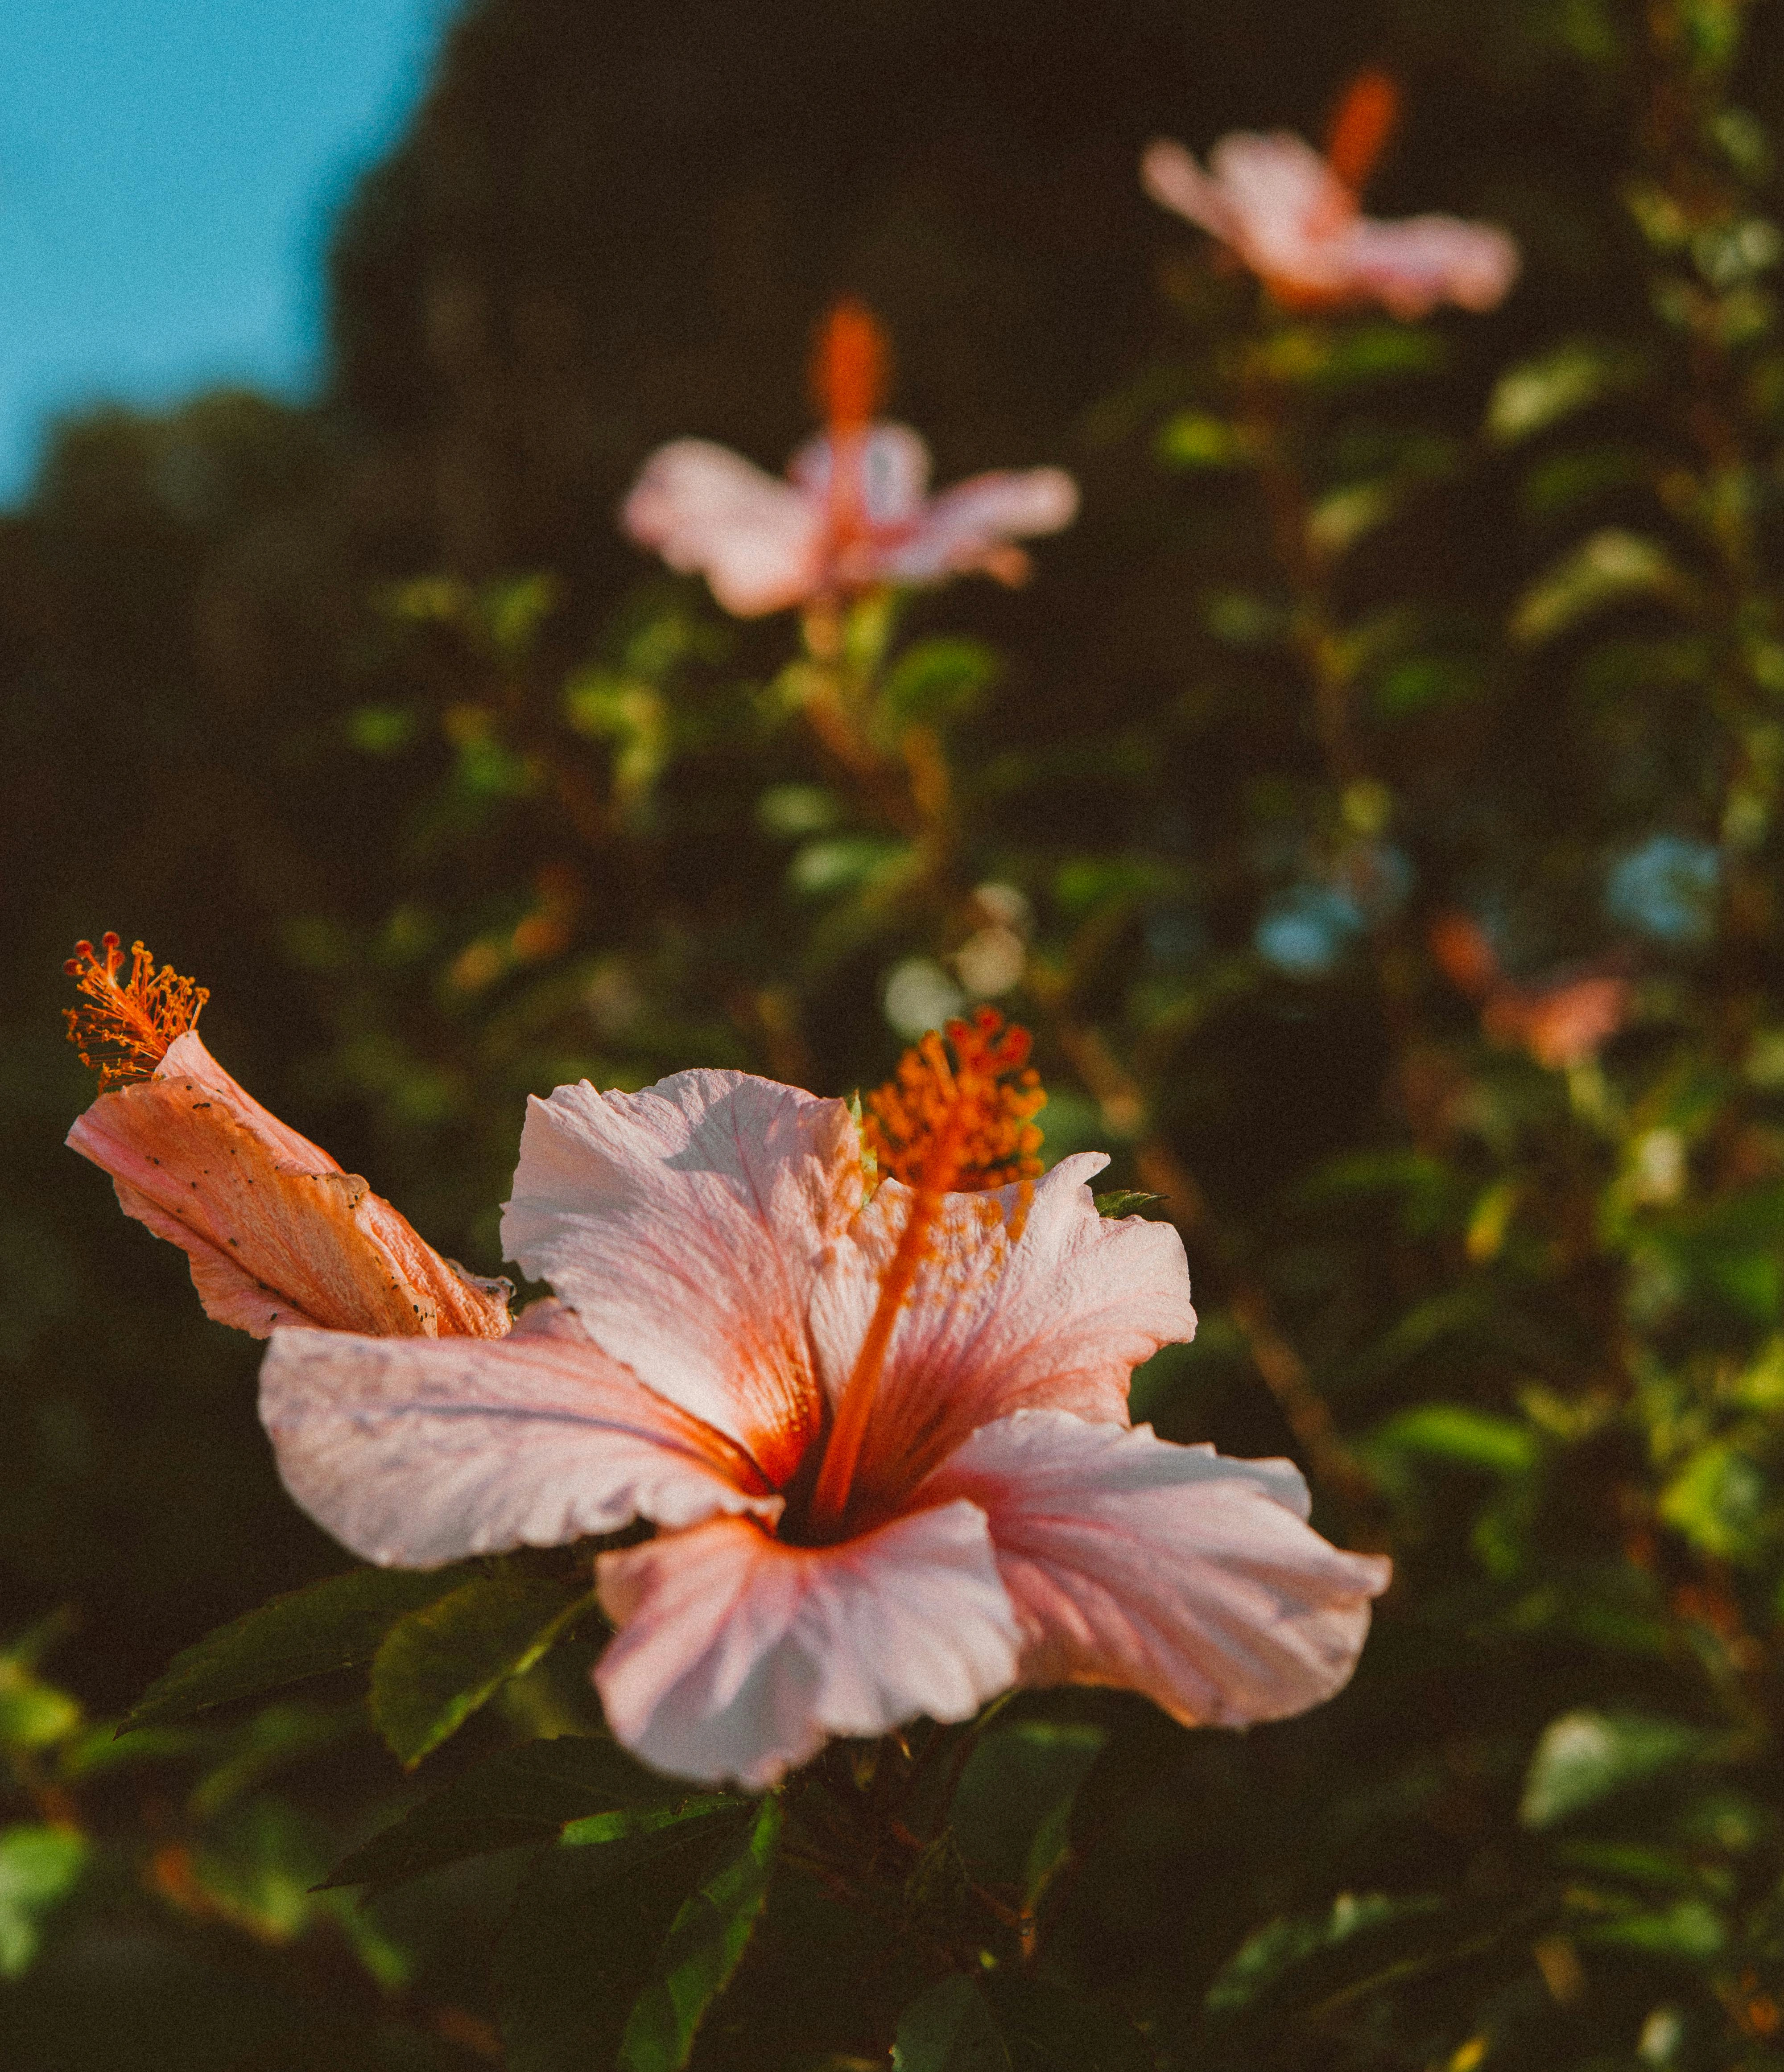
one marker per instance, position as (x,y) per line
(333,1625)
(706,1943)
(527,1794)
(1453,1431)
(1010,2023)
(437,1666)
(33,1714)
(1012,1809)
(39,1867)
(934,682)
(1721,1502)
(1047,2028)
(1335,357)
(589,1924)
(1691,1930)
(1612,567)
(277,1736)
(1195,439)
(1267,1959)
(845,863)
(949,2028)
(1583,1757)
(1529,398)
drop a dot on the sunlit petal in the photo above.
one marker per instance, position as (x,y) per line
(1027,1297)
(415,1451)
(686,1225)
(1170,1570)
(275,1231)
(738,1656)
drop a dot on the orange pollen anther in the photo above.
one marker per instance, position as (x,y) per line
(942,1128)
(1360,126)
(976,1115)
(126,1028)
(850,366)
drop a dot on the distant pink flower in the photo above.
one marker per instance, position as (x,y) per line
(1295,218)
(883,1436)
(1561,1021)
(854,511)
(275,1231)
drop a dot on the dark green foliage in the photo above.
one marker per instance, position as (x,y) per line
(528,1794)
(339,1624)
(1007,2024)
(438,1663)
(950,2028)
(620,1933)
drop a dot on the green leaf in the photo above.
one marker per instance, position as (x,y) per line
(1420,683)
(1584,1756)
(845,863)
(1012,1809)
(1289,1979)
(382,730)
(589,1925)
(1193,439)
(706,1944)
(949,2028)
(33,1714)
(1265,1957)
(334,1625)
(793,811)
(1125,1202)
(1690,1929)
(1718,1500)
(39,1866)
(1343,516)
(438,1665)
(1451,1432)
(1529,398)
(1612,567)
(277,1736)
(1008,2023)
(1047,2028)
(1338,356)
(935,682)
(633,715)
(527,1794)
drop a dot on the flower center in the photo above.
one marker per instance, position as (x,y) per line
(125,1028)
(941,1127)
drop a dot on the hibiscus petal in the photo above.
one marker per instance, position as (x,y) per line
(965,527)
(1287,208)
(739,1655)
(709,511)
(1170,1570)
(686,1224)
(1173,179)
(891,465)
(275,1231)
(416,1451)
(1414,266)
(1021,1302)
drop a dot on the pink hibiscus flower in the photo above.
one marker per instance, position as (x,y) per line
(1561,1022)
(1295,218)
(881,1429)
(854,512)
(275,1231)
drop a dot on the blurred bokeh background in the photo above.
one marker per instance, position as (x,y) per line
(333,337)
